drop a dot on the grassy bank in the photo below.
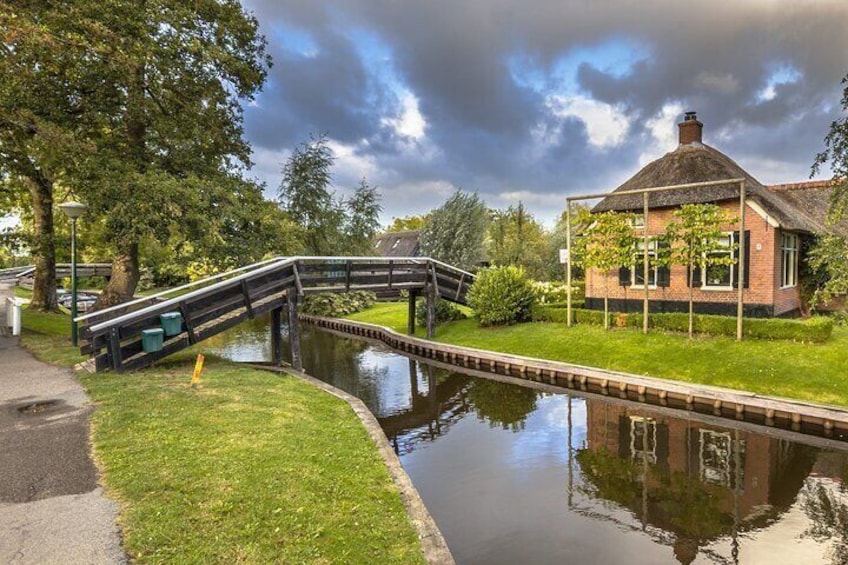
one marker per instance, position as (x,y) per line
(813,372)
(251,467)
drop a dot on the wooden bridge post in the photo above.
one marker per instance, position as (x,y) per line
(431,312)
(276,336)
(410,322)
(294,330)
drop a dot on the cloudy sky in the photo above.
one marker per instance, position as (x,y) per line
(539,99)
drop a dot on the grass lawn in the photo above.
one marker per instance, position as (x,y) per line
(813,372)
(251,467)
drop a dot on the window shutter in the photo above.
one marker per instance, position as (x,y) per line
(624,276)
(696,278)
(747,273)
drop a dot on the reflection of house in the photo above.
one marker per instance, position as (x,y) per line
(691,479)
(778,219)
(398,244)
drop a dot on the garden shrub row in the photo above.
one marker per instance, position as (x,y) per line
(816,329)
(337,305)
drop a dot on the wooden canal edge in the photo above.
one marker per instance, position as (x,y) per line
(798,416)
(433,544)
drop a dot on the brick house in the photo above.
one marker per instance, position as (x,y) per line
(779,220)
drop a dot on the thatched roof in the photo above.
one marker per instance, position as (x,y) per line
(698,162)
(398,244)
(810,198)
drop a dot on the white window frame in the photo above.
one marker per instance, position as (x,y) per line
(789,247)
(732,266)
(639,265)
(649,427)
(637,221)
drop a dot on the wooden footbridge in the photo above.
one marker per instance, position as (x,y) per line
(113,337)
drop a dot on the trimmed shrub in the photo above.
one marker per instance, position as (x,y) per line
(446,311)
(336,305)
(816,329)
(502,295)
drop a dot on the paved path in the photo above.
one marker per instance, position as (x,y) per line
(51,508)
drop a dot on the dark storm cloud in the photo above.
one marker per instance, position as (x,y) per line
(763,76)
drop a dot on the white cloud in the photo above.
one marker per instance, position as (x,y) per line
(409,123)
(606,125)
(662,128)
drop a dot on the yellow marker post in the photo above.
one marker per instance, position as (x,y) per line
(198,367)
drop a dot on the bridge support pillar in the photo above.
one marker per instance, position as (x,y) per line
(410,321)
(276,336)
(294,330)
(431,313)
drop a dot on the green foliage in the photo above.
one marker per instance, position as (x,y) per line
(836,153)
(557,239)
(330,226)
(446,311)
(502,295)
(606,243)
(557,292)
(817,329)
(334,305)
(502,405)
(406,223)
(454,232)
(693,238)
(514,237)
(829,256)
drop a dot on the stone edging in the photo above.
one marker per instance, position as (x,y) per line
(433,544)
(663,392)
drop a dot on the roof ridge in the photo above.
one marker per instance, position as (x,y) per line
(803,184)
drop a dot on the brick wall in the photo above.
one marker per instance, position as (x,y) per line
(764,265)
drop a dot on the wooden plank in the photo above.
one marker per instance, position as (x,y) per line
(410,313)
(297,282)
(431,313)
(115,358)
(459,287)
(391,272)
(294,333)
(246,293)
(347,276)
(276,336)
(434,280)
(189,324)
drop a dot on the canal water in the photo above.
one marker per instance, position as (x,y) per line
(513,475)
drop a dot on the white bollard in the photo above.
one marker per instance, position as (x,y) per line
(14,314)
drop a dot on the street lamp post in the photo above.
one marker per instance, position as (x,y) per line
(73,210)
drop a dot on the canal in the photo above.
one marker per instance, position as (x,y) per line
(517,475)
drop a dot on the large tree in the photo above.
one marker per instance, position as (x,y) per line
(331,225)
(454,232)
(836,154)
(149,99)
(514,237)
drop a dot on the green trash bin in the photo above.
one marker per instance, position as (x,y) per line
(172,323)
(152,340)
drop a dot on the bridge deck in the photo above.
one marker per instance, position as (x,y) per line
(112,337)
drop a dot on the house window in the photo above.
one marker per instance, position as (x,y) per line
(722,460)
(638,264)
(643,439)
(720,277)
(637,221)
(789,263)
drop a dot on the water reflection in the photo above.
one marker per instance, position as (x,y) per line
(514,475)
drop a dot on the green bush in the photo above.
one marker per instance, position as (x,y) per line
(446,311)
(816,329)
(502,295)
(337,305)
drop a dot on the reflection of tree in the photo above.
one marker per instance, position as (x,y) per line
(502,404)
(827,507)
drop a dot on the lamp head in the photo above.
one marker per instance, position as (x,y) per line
(73,209)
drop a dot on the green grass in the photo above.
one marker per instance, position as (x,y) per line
(21,292)
(251,467)
(813,372)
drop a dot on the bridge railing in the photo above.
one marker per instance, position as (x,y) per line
(112,337)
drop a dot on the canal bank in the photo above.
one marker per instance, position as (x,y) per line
(544,474)
(789,414)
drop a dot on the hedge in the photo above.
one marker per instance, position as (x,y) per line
(816,329)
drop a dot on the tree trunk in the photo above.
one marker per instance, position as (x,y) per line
(44,250)
(125,275)
(606,302)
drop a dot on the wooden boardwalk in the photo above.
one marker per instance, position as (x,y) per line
(112,337)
